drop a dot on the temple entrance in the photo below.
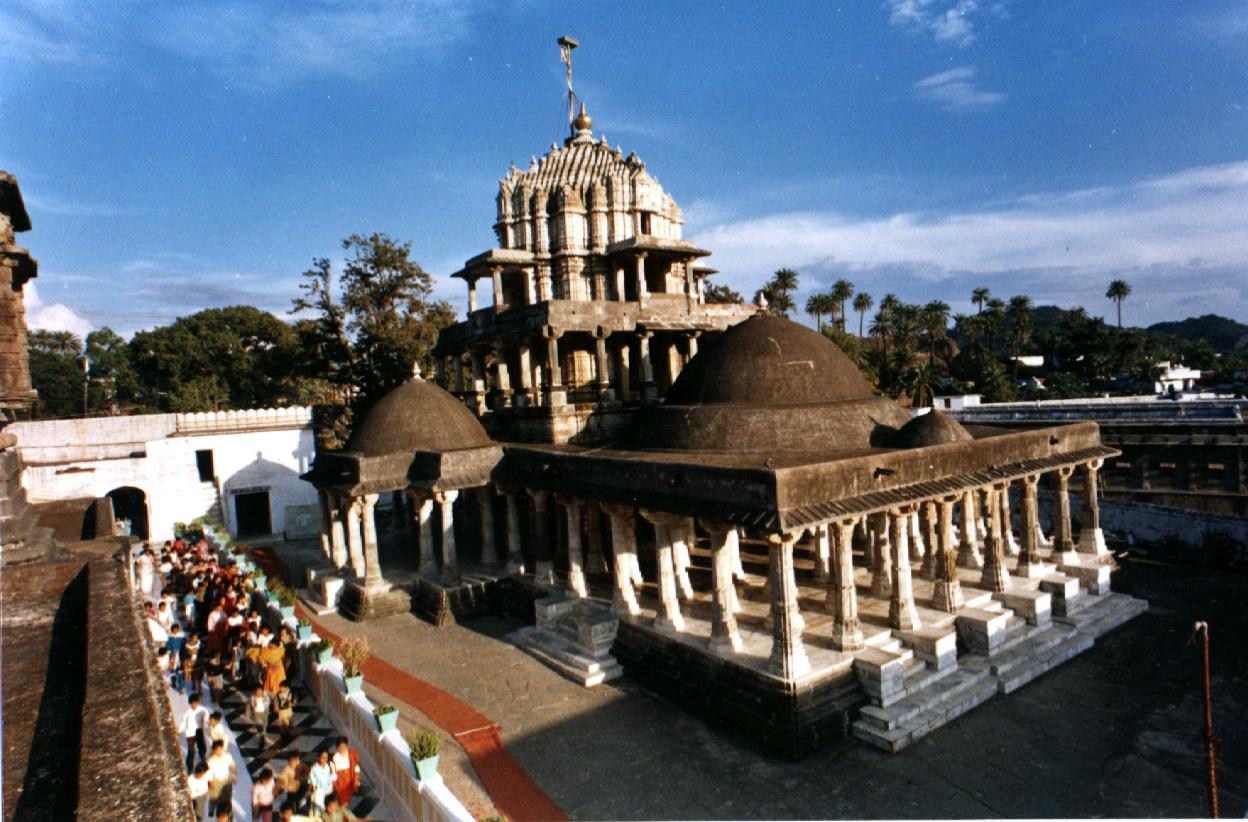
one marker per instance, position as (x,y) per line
(251,514)
(130,504)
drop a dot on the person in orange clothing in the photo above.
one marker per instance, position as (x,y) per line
(273,659)
(346,765)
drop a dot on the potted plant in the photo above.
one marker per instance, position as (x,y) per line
(303,630)
(322,651)
(285,596)
(425,745)
(353,651)
(387,717)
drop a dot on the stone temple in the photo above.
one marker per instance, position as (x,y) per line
(709,496)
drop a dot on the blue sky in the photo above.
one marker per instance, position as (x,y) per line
(176,156)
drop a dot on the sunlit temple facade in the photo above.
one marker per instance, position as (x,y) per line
(708,497)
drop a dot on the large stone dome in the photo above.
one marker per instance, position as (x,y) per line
(770,385)
(416,416)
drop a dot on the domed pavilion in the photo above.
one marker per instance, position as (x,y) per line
(709,494)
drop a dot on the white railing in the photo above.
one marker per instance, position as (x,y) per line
(386,758)
(248,420)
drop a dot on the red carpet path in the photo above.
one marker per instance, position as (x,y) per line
(514,794)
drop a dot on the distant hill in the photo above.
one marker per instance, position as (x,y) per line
(1044,317)
(1220,332)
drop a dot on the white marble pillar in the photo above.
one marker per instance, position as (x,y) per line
(917,547)
(683,537)
(734,555)
(1007,524)
(524,397)
(372,563)
(489,546)
(337,531)
(496,279)
(515,554)
(450,558)
(931,533)
(947,591)
(725,636)
(667,616)
(1029,564)
(995,577)
(425,515)
(1091,538)
(327,525)
(649,391)
(902,613)
(624,549)
(355,544)
(882,578)
(788,655)
(823,552)
(1063,545)
(842,596)
(472,294)
(595,559)
(968,548)
(576,574)
(545,569)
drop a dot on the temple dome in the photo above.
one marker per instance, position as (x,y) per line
(932,428)
(767,360)
(768,384)
(416,416)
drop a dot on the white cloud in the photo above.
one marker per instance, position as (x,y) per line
(52,316)
(955,90)
(1179,238)
(945,22)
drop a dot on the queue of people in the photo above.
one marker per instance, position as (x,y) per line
(210,638)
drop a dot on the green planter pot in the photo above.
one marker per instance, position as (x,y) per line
(388,722)
(353,684)
(322,657)
(288,612)
(303,631)
(426,769)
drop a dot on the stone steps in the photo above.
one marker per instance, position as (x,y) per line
(1105,613)
(901,724)
(564,658)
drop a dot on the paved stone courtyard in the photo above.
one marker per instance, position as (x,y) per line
(1113,733)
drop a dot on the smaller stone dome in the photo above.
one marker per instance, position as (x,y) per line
(416,416)
(932,428)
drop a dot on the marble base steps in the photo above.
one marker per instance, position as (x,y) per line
(1105,613)
(564,657)
(896,726)
(358,603)
(476,595)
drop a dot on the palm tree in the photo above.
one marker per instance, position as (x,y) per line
(934,318)
(994,319)
(842,290)
(980,296)
(1018,314)
(815,305)
(785,280)
(1118,291)
(862,304)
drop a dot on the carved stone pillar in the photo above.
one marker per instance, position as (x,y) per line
(1007,524)
(882,578)
(478,380)
(327,525)
(545,570)
(642,293)
(788,655)
(368,521)
(823,552)
(489,547)
(355,545)
(450,557)
(1063,545)
(917,547)
(595,560)
(573,508)
(968,548)
(504,378)
(725,637)
(734,553)
(424,514)
(995,577)
(515,554)
(902,613)
(472,295)
(602,378)
(524,397)
(622,367)
(668,616)
(619,285)
(931,533)
(683,536)
(842,596)
(556,394)
(649,391)
(947,592)
(496,279)
(1091,538)
(624,549)
(337,531)
(1029,564)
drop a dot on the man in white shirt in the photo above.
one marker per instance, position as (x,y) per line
(221,777)
(198,784)
(192,728)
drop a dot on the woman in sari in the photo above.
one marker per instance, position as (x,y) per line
(346,772)
(273,658)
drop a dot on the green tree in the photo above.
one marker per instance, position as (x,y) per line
(1118,291)
(862,304)
(1018,316)
(785,280)
(934,318)
(54,342)
(716,293)
(819,306)
(112,381)
(58,378)
(979,296)
(842,290)
(779,302)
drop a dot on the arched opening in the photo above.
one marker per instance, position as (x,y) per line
(130,504)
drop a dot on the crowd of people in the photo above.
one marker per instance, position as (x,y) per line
(209,637)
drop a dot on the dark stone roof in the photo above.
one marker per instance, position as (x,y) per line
(11,202)
(416,416)
(768,361)
(770,385)
(932,428)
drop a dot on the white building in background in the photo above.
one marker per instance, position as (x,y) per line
(1176,378)
(167,468)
